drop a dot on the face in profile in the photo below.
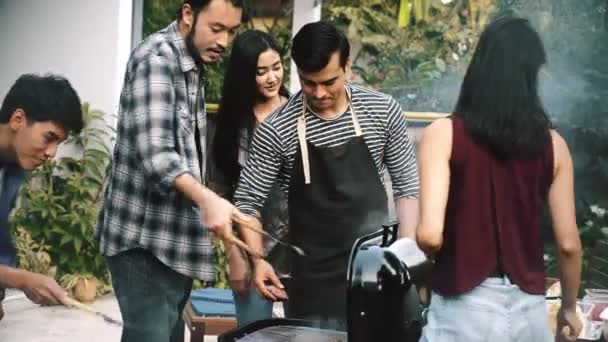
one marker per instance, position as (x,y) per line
(323,88)
(212,30)
(35,142)
(269,74)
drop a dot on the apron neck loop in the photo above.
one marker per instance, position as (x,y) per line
(301,128)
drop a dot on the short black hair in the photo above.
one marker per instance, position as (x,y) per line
(314,45)
(199,5)
(44,98)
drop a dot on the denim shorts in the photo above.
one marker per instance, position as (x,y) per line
(496,310)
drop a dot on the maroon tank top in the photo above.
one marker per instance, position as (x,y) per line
(492,219)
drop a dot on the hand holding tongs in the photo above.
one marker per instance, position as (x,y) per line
(246,223)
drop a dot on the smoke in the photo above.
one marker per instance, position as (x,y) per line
(575,36)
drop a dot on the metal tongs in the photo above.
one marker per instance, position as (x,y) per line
(247,223)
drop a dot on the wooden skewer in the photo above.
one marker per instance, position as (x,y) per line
(70,302)
(78,305)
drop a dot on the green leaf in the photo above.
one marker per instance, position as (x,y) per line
(65,239)
(77,244)
(58,230)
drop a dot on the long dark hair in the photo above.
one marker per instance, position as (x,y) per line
(499,101)
(239,94)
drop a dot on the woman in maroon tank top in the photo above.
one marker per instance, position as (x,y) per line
(485,174)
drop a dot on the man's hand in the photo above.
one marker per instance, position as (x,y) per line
(41,289)
(569,326)
(263,273)
(216,215)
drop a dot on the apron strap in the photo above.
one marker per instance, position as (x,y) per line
(301,128)
(303,146)
(353,115)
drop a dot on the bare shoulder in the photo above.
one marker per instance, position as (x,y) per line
(561,153)
(439,130)
(437,140)
(558,140)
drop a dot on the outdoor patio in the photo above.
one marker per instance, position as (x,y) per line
(28,322)
(413,50)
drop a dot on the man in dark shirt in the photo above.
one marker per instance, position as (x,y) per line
(36,116)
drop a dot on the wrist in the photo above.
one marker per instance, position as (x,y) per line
(204,197)
(17,278)
(255,261)
(568,304)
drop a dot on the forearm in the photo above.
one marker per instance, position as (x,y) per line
(408,213)
(570,274)
(252,238)
(192,188)
(10,277)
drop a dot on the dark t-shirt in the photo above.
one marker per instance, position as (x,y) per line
(12,177)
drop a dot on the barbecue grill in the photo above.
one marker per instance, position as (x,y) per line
(382,303)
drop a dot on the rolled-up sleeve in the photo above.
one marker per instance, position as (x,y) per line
(154,122)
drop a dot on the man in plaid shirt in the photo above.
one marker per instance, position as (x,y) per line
(156,212)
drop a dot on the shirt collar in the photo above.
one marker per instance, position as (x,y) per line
(186,61)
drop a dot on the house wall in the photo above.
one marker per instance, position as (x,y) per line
(86,41)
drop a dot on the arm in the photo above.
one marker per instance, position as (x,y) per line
(37,287)
(153,127)
(256,179)
(401,164)
(216,212)
(408,213)
(434,155)
(9,277)
(563,215)
(260,172)
(153,121)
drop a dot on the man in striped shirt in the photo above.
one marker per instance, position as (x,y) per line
(328,148)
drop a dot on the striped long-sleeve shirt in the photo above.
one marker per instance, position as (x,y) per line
(272,153)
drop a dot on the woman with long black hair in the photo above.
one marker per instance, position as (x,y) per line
(253,89)
(485,174)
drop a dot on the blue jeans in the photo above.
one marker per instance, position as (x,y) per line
(151,297)
(250,307)
(496,311)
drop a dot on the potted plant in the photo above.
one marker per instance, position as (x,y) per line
(81,286)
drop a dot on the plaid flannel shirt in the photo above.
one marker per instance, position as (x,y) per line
(156,143)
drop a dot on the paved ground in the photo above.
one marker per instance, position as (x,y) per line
(27,322)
